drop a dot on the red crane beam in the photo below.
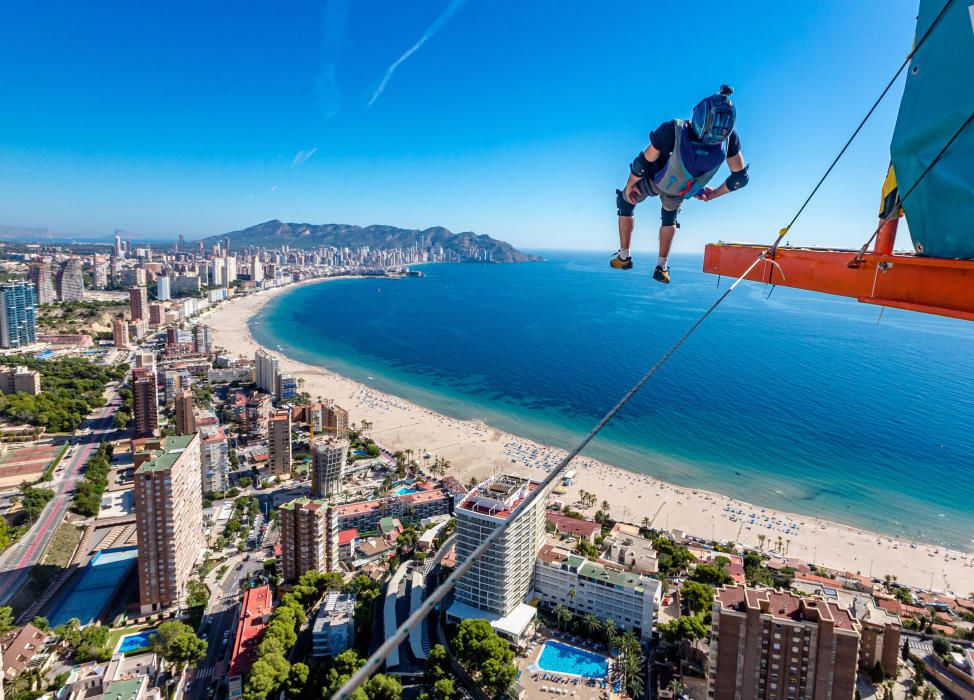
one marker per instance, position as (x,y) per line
(928,285)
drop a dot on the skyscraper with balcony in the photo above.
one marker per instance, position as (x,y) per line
(120,333)
(169,521)
(43,281)
(767,644)
(498,582)
(145,402)
(18,321)
(266,369)
(163,289)
(185,403)
(138,304)
(279,443)
(71,281)
(328,466)
(304,529)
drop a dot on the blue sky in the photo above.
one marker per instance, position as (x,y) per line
(513,119)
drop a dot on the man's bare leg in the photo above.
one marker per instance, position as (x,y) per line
(626,225)
(666,235)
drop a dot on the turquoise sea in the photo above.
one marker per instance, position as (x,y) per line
(800,401)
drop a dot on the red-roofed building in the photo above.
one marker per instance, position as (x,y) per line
(573,527)
(346,543)
(255,612)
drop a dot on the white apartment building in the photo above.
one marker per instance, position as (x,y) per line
(629,599)
(496,586)
(334,627)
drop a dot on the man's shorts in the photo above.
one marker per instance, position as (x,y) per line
(670,204)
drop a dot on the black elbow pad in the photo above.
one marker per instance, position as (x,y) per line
(736,181)
(639,166)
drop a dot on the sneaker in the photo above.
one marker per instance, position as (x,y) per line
(661,275)
(620,264)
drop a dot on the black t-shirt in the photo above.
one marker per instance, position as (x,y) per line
(663,139)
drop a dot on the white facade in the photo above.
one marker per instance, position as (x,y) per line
(328,466)
(334,628)
(629,599)
(266,370)
(500,580)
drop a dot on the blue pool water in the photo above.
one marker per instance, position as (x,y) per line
(134,642)
(403,490)
(360,453)
(94,587)
(561,658)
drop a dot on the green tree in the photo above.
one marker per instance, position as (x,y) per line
(6,619)
(41,623)
(562,614)
(383,687)
(591,624)
(485,655)
(941,646)
(438,663)
(187,650)
(199,595)
(443,689)
(711,575)
(699,597)
(296,679)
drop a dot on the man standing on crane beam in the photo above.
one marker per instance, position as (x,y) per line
(681,159)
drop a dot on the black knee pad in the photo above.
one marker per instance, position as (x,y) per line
(668,218)
(623,205)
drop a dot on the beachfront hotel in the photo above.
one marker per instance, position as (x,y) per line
(497,584)
(609,592)
(328,466)
(304,529)
(169,520)
(768,644)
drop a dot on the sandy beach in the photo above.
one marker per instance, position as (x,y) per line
(476,449)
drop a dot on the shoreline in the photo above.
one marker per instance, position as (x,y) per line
(475,449)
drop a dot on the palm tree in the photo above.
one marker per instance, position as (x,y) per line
(761,539)
(647,522)
(779,542)
(591,624)
(610,629)
(571,595)
(787,545)
(605,507)
(562,614)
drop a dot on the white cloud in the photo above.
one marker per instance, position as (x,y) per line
(431,30)
(301,157)
(273,188)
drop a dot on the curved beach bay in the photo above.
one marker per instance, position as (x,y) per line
(798,403)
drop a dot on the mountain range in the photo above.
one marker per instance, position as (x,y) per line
(467,245)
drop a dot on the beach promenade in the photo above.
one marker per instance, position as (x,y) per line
(476,449)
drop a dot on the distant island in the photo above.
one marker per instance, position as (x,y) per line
(466,245)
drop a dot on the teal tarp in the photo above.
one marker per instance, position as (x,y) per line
(937,100)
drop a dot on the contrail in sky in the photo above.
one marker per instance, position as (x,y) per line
(433,29)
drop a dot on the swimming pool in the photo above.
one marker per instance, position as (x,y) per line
(404,490)
(137,641)
(560,658)
(93,587)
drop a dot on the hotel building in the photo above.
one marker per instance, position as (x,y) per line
(606,591)
(498,582)
(771,644)
(169,520)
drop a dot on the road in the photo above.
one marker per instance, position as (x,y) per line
(221,613)
(16,562)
